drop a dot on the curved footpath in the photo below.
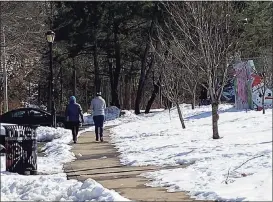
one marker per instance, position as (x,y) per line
(100,162)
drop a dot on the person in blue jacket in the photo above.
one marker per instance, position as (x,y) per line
(73,113)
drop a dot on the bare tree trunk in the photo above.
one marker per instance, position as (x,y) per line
(264,88)
(145,71)
(193,101)
(108,94)
(97,82)
(133,93)
(160,97)
(152,99)
(74,77)
(141,79)
(61,83)
(120,92)
(39,95)
(215,118)
(126,92)
(116,73)
(5,75)
(193,96)
(141,85)
(86,96)
(180,116)
(166,102)
(96,67)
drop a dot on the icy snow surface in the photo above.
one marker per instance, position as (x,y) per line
(159,139)
(51,184)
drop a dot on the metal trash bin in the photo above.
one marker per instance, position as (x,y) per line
(21,149)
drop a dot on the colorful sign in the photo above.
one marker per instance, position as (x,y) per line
(257,93)
(249,88)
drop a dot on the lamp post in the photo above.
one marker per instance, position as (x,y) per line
(50,36)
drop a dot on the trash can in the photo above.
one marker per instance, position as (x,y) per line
(21,149)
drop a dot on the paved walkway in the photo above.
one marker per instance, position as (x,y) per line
(100,162)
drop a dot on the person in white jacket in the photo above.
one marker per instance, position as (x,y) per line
(97,107)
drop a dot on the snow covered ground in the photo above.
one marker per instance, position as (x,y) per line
(159,139)
(51,184)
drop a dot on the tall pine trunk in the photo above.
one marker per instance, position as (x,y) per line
(39,95)
(86,96)
(264,89)
(263,104)
(166,102)
(74,77)
(152,99)
(180,116)
(97,82)
(193,101)
(126,99)
(96,67)
(193,96)
(61,85)
(215,118)
(141,82)
(145,69)
(116,73)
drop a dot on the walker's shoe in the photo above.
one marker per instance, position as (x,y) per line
(76,140)
(97,139)
(101,139)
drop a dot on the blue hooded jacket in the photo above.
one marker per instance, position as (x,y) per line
(73,110)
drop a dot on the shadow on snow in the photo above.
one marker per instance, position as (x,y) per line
(207,114)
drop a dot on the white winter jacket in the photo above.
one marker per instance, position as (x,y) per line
(98,106)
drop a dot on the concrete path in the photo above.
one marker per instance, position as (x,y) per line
(100,162)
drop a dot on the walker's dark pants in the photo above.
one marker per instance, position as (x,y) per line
(74,127)
(98,121)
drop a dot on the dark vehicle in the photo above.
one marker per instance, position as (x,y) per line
(31,116)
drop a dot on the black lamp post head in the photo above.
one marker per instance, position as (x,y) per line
(50,36)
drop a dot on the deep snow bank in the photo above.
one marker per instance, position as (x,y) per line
(52,184)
